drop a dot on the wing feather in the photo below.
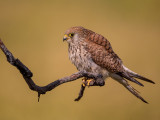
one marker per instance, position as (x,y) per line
(102,53)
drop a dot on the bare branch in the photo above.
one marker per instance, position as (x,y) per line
(80,93)
(27,74)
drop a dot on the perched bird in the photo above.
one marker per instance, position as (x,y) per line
(91,52)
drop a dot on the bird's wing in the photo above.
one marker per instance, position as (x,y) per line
(102,53)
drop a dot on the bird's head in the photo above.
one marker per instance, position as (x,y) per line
(75,34)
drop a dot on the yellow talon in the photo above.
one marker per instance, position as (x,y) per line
(83,82)
(88,82)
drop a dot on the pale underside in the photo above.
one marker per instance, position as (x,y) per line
(82,59)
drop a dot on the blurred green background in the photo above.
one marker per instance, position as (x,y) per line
(33,32)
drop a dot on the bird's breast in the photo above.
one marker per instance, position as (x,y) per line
(83,61)
(79,57)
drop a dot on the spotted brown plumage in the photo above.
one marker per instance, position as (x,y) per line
(102,53)
(91,52)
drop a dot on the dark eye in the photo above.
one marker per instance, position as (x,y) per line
(71,34)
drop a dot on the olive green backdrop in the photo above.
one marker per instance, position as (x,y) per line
(33,32)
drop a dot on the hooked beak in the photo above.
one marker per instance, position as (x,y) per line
(65,38)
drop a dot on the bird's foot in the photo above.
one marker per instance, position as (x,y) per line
(97,81)
(87,82)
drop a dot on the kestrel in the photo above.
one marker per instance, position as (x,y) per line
(91,52)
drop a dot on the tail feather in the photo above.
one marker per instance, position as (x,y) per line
(131,89)
(127,76)
(125,83)
(135,75)
(141,77)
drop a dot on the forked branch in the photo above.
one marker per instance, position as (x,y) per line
(27,75)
